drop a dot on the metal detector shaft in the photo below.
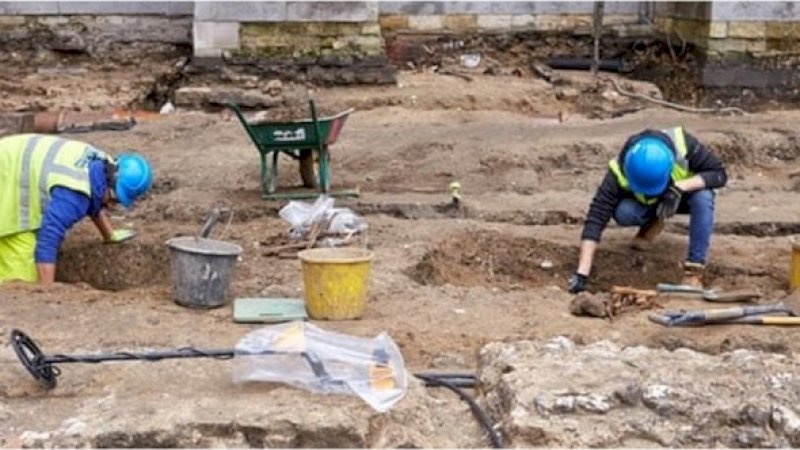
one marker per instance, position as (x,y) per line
(43,367)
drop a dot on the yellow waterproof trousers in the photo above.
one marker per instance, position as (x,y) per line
(16,257)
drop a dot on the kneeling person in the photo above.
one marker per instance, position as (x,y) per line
(656,175)
(48,184)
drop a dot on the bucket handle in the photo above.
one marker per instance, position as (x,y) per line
(213,218)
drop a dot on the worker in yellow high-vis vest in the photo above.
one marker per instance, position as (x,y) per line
(48,184)
(656,175)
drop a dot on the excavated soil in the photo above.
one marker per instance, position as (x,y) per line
(114,267)
(444,282)
(508,262)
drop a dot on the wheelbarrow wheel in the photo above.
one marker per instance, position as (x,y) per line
(308,170)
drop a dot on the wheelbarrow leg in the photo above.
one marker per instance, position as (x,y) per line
(324,167)
(273,175)
(264,174)
(269,172)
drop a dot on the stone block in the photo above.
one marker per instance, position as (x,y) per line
(411,8)
(747,30)
(192,96)
(393,22)
(240,11)
(368,45)
(494,22)
(213,37)
(729,45)
(523,20)
(782,30)
(12,20)
(425,22)
(564,22)
(372,28)
(332,11)
(718,30)
(460,22)
(52,20)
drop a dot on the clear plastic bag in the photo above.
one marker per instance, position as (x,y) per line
(303,355)
(302,216)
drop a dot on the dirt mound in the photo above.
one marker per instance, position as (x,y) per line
(495,259)
(114,267)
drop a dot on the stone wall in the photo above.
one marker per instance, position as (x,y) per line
(724,28)
(491,16)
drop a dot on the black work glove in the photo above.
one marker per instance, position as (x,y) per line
(669,202)
(577,283)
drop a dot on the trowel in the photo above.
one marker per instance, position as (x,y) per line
(709,295)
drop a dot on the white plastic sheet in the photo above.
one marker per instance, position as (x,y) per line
(302,216)
(303,355)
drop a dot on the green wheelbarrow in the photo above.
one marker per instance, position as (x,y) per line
(302,140)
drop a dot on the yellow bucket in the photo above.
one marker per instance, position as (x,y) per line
(335,282)
(794,267)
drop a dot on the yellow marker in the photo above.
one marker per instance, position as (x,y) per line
(455,190)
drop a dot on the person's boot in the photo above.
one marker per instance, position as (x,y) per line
(647,233)
(693,274)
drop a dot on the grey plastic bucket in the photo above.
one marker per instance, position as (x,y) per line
(202,270)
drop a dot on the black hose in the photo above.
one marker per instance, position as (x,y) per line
(578,63)
(443,381)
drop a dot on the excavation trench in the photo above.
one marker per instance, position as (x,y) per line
(133,264)
(510,262)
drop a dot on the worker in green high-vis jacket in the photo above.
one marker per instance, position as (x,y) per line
(48,184)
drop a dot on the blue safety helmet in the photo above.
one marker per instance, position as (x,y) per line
(134,178)
(648,166)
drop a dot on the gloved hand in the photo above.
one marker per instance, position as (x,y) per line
(119,236)
(670,200)
(577,283)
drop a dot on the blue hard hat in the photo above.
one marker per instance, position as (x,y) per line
(648,166)
(134,178)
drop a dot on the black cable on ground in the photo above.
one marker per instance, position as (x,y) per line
(446,381)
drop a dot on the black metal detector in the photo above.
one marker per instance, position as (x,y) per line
(44,370)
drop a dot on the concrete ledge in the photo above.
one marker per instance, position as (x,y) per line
(28,8)
(102,8)
(240,11)
(332,11)
(756,11)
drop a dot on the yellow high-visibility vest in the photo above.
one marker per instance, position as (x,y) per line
(680,170)
(31,165)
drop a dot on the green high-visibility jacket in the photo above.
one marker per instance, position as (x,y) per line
(680,170)
(31,165)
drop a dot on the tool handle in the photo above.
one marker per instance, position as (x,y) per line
(767,320)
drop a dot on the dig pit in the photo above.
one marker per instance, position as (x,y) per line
(489,258)
(117,267)
(499,260)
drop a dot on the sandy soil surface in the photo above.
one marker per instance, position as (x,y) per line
(441,286)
